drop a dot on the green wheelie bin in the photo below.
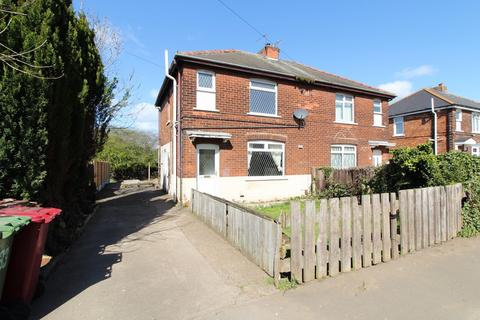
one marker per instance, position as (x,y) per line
(9,226)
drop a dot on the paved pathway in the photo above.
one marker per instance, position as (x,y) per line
(142,258)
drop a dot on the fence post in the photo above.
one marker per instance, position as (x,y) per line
(296,243)
(403,221)
(393,225)
(309,242)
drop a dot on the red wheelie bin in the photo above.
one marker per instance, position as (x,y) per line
(27,250)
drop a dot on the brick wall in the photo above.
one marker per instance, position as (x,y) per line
(304,147)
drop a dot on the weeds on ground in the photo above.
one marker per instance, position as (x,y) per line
(284,283)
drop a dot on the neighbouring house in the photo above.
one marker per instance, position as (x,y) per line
(250,127)
(411,120)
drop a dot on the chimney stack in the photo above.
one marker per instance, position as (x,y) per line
(270,51)
(441,87)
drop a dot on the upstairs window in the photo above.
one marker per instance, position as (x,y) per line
(398,126)
(377,113)
(263,97)
(343,156)
(476,122)
(266,158)
(206,91)
(458,120)
(344,109)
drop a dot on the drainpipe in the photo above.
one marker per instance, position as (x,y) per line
(435,138)
(173,179)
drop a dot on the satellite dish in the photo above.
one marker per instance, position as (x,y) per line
(300,114)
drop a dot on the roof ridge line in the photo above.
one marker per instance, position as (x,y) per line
(429,90)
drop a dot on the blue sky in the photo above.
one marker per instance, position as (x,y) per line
(400,46)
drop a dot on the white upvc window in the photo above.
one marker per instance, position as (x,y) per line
(206,91)
(398,126)
(476,122)
(266,158)
(476,151)
(343,156)
(458,120)
(263,98)
(344,108)
(377,113)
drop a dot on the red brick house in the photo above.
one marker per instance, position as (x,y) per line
(412,121)
(239,128)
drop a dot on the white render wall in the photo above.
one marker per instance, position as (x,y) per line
(254,189)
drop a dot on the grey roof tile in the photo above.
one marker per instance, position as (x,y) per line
(283,67)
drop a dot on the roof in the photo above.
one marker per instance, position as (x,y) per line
(290,69)
(420,101)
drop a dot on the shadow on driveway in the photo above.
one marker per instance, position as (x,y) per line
(109,234)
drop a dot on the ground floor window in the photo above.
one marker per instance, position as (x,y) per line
(266,158)
(377,157)
(343,156)
(476,151)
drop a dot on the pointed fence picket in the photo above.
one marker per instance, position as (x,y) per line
(344,234)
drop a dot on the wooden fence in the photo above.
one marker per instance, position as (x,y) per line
(339,235)
(256,236)
(101,173)
(347,177)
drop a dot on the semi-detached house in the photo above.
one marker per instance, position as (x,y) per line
(412,121)
(250,127)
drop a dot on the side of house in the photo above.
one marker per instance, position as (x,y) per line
(239,129)
(411,121)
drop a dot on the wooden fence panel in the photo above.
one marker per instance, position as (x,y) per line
(431,217)
(309,242)
(334,254)
(425,209)
(322,239)
(376,218)
(367,230)
(411,220)
(443,214)
(346,223)
(256,237)
(296,242)
(436,214)
(418,220)
(393,225)
(403,211)
(356,235)
(386,240)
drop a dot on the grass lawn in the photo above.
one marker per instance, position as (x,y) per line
(274,210)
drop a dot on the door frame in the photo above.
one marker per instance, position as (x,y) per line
(207,146)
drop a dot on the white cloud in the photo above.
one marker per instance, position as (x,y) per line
(414,72)
(146,117)
(400,88)
(154,93)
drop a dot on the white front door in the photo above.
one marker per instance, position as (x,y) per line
(208,165)
(377,157)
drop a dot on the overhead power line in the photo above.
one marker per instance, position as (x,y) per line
(263,35)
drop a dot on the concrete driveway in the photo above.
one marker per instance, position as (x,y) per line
(142,258)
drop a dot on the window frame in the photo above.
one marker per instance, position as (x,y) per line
(275,90)
(342,153)
(265,149)
(475,115)
(211,73)
(395,133)
(458,120)
(343,106)
(380,113)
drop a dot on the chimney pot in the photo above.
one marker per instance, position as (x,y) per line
(270,51)
(441,87)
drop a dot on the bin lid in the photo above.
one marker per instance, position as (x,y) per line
(38,214)
(12,224)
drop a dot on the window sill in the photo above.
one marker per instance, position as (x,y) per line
(266,178)
(262,115)
(399,135)
(377,126)
(206,110)
(345,122)
(458,130)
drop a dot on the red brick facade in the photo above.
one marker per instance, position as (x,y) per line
(305,147)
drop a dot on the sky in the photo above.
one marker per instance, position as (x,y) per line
(400,46)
